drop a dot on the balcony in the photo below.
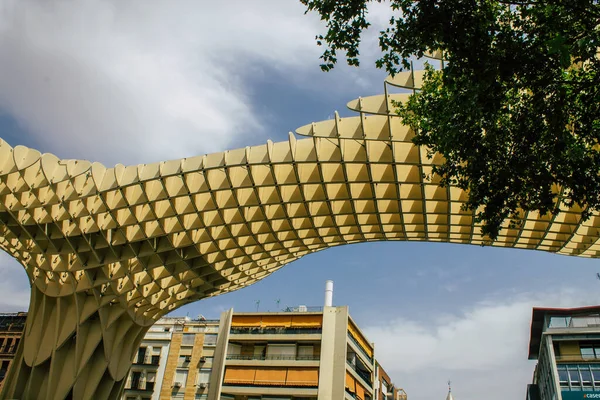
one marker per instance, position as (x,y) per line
(138,386)
(364,375)
(158,335)
(274,331)
(358,346)
(153,361)
(355,396)
(580,322)
(277,357)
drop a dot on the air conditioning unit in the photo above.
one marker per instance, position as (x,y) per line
(202,359)
(176,384)
(202,386)
(188,358)
(302,308)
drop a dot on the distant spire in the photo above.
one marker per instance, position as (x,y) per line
(449,397)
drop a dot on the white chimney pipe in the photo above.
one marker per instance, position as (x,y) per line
(328,293)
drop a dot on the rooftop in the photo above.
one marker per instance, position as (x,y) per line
(538,320)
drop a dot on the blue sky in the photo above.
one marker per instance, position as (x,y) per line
(133,83)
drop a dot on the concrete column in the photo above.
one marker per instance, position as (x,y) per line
(218,366)
(332,369)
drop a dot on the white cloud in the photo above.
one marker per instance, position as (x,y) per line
(137,82)
(14,285)
(483,349)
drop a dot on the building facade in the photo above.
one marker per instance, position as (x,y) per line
(298,354)
(301,354)
(174,360)
(11,330)
(566,344)
(385,388)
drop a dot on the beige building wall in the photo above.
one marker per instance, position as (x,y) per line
(332,370)
(218,369)
(167,383)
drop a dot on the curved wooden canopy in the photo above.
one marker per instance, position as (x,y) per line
(123,246)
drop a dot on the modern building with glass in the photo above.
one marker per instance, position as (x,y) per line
(566,344)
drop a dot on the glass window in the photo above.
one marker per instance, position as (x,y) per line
(574,377)
(210,340)
(596,375)
(234,349)
(587,352)
(563,377)
(586,377)
(305,352)
(180,377)
(204,376)
(281,351)
(188,339)
(559,322)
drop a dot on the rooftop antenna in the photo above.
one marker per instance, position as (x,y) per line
(449,386)
(277,302)
(257,305)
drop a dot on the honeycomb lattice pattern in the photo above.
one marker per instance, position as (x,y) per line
(110,250)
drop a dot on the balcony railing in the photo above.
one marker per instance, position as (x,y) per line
(303,309)
(365,375)
(354,396)
(147,387)
(362,350)
(274,331)
(587,321)
(153,360)
(273,357)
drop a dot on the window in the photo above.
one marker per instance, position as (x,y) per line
(3,369)
(180,378)
(210,339)
(184,360)
(574,377)
(135,379)
(141,356)
(188,339)
(587,352)
(559,322)
(150,381)
(234,349)
(586,377)
(203,375)
(260,351)
(281,351)
(305,352)
(563,377)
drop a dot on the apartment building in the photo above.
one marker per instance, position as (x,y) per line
(302,353)
(385,388)
(566,344)
(174,360)
(11,330)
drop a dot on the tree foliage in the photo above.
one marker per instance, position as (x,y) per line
(515,110)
